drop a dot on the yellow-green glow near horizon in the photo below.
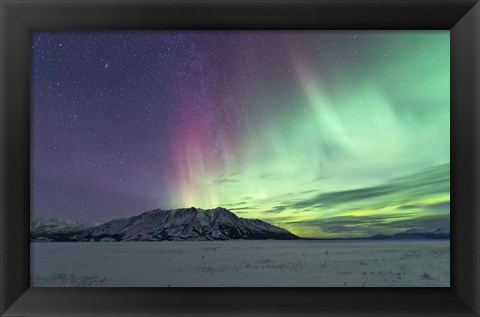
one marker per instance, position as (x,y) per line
(384,114)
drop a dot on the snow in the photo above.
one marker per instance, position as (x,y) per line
(259,263)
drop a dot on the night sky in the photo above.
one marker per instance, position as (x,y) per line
(325,133)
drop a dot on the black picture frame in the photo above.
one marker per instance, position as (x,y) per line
(18,17)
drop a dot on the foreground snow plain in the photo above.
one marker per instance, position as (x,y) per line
(302,263)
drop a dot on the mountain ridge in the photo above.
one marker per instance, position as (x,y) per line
(181,224)
(412,234)
(184,224)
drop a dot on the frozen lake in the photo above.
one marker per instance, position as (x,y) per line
(242,263)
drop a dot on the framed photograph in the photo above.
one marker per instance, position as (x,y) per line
(239,158)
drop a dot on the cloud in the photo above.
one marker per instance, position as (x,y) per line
(226,180)
(444,205)
(270,176)
(440,206)
(409,207)
(434,180)
(338,197)
(370,225)
(236,209)
(237,204)
(276,209)
(345,220)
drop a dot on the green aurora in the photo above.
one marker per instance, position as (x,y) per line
(360,147)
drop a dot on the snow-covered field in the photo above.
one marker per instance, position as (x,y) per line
(242,263)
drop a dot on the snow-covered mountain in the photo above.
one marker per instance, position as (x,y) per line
(43,229)
(441,233)
(41,225)
(178,224)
